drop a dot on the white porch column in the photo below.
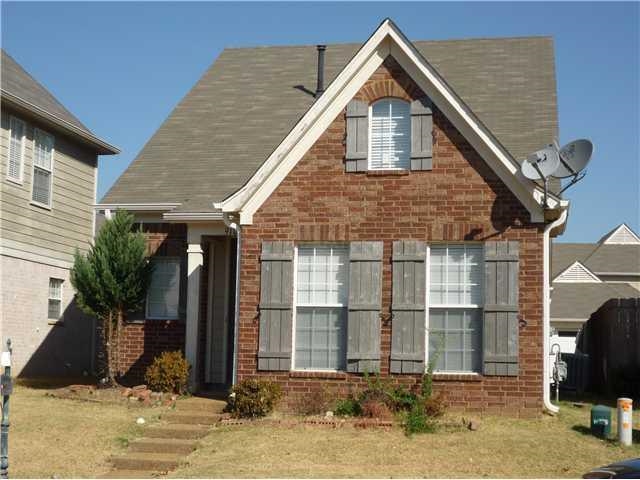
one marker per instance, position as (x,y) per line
(194,267)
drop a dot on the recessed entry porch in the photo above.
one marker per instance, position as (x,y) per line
(211,281)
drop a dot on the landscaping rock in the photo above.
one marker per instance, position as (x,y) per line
(125,392)
(473,425)
(139,387)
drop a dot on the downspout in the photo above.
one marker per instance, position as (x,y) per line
(546,311)
(236,311)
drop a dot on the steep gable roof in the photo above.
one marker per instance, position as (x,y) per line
(25,93)
(250,99)
(621,235)
(564,254)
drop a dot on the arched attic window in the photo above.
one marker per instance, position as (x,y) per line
(390,135)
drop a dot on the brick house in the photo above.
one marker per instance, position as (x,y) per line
(378,225)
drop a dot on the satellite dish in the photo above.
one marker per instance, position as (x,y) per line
(574,157)
(539,165)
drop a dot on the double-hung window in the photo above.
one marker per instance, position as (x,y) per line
(15,164)
(42,168)
(55,299)
(456,295)
(390,144)
(321,307)
(164,291)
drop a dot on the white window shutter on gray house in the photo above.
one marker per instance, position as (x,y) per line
(276,301)
(408,304)
(500,327)
(357,136)
(421,134)
(365,302)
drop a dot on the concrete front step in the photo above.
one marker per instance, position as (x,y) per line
(159,462)
(116,473)
(200,405)
(192,417)
(183,432)
(163,445)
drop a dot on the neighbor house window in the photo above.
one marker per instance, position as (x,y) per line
(390,138)
(456,275)
(17,130)
(164,291)
(321,307)
(55,299)
(42,167)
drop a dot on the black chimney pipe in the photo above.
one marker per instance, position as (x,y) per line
(320,86)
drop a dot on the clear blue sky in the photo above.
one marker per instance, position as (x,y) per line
(122,67)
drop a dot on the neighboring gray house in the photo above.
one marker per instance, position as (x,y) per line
(48,172)
(586,275)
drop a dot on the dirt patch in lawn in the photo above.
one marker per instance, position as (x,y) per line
(136,396)
(501,447)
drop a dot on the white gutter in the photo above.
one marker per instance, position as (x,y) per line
(137,207)
(236,313)
(546,311)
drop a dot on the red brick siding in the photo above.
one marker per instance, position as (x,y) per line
(144,339)
(461,199)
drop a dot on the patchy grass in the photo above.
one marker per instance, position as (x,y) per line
(67,438)
(502,447)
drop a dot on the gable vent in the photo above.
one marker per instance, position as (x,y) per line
(623,235)
(577,273)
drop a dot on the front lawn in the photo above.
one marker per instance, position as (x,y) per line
(545,447)
(57,438)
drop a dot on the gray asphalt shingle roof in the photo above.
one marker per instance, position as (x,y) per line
(17,81)
(580,300)
(250,98)
(615,259)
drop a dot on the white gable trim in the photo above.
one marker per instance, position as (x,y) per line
(577,273)
(622,235)
(386,40)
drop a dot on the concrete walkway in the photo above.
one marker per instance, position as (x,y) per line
(166,445)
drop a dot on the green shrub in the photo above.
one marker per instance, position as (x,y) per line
(253,398)
(402,400)
(417,421)
(348,407)
(169,372)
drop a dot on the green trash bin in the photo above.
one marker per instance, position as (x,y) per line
(601,421)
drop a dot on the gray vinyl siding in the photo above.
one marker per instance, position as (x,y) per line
(54,233)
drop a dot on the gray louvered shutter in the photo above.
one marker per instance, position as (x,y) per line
(276,300)
(421,134)
(500,327)
(408,304)
(357,136)
(365,302)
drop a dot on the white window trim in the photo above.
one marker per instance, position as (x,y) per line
(294,310)
(147,316)
(20,179)
(49,298)
(51,171)
(429,305)
(369,137)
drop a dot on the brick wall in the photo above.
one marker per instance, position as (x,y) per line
(145,339)
(461,199)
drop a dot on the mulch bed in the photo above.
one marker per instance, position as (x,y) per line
(137,396)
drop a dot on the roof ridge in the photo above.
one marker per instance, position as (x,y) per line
(440,40)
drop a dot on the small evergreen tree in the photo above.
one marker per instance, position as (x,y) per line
(113,279)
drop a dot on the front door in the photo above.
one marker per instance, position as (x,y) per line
(218,311)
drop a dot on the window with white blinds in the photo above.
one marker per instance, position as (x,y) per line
(42,167)
(321,307)
(164,291)
(16,148)
(456,297)
(55,299)
(390,136)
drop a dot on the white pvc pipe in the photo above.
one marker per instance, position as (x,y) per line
(546,311)
(625,421)
(236,320)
